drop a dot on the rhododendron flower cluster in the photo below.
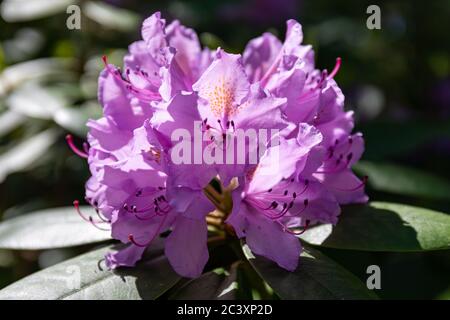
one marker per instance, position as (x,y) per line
(168,83)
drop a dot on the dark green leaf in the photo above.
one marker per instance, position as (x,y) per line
(403,180)
(387,139)
(316,278)
(218,284)
(148,280)
(381,226)
(51,228)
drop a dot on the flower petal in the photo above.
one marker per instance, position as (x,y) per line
(224,84)
(345,185)
(186,247)
(267,238)
(124,258)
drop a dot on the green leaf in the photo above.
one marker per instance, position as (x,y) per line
(51,228)
(218,284)
(86,277)
(9,121)
(75,119)
(38,69)
(381,226)
(316,278)
(25,154)
(35,101)
(403,180)
(388,139)
(111,17)
(211,41)
(24,10)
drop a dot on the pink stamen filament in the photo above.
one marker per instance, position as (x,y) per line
(72,146)
(272,68)
(336,68)
(76,204)
(305,205)
(142,93)
(102,217)
(297,233)
(96,226)
(132,240)
(339,167)
(89,219)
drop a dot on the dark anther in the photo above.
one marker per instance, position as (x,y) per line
(349,157)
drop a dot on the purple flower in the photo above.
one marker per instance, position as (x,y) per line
(277,198)
(223,102)
(296,174)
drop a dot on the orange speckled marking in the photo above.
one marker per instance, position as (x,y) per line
(221,97)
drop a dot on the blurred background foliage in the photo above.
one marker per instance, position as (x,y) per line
(397,80)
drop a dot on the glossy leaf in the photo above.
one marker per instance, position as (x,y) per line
(51,228)
(75,119)
(24,10)
(381,226)
(403,180)
(218,284)
(388,139)
(25,154)
(86,277)
(316,278)
(10,120)
(35,101)
(15,75)
(111,17)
